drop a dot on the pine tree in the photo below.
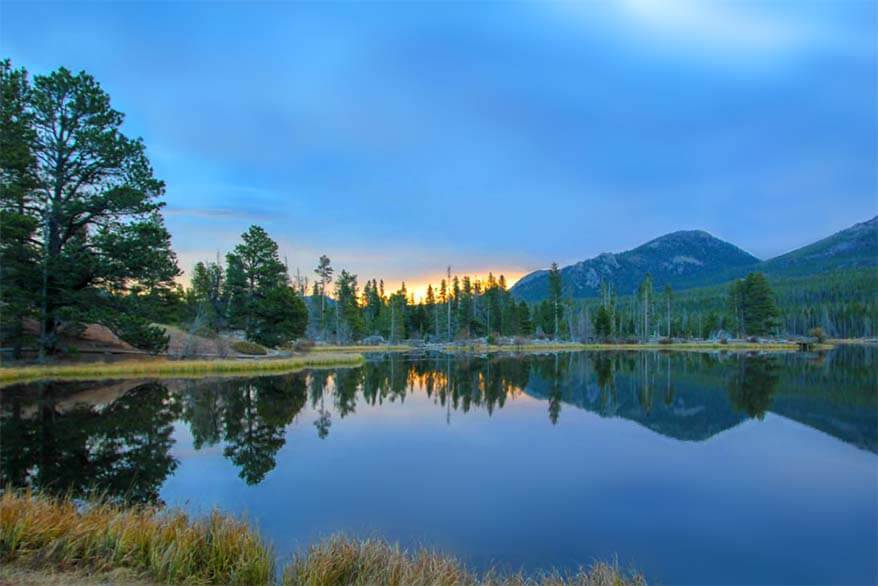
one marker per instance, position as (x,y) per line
(19,256)
(101,235)
(555,296)
(760,311)
(324,272)
(350,324)
(260,299)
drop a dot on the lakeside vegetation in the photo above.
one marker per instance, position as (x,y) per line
(175,368)
(170,547)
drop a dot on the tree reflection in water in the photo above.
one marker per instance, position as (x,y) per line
(117,438)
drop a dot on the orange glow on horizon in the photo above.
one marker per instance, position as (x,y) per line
(418,286)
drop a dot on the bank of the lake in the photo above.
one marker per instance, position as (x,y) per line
(329,356)
(61,541)
(164,368)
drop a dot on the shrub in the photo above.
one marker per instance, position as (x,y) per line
(139,332)
(492,339)
(818,333)
(245,347)
(723,340)
(665,341)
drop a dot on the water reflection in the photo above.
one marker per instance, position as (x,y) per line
(117,438)
(248,416)
(122,447)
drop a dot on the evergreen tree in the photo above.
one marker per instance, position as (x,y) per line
(349,320)
(525,325)
(760,311)
(18,222)
(97,204)
(555,297)
(324,272)
(602,326)
(645,292)
(257,287)
(208,283)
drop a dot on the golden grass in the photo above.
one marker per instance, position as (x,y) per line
(165,545)
(61,542)
(343,561)
(174,368)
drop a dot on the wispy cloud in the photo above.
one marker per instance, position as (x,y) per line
(212,213)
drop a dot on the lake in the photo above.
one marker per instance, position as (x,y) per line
(693,468)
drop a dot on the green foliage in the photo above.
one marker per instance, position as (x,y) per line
(18,225)
(69,168)
(279,316)
(602,324)
(555,297)
(139,332)
(254,294)
(350,324)
(760,311)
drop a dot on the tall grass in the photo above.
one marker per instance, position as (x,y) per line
(343,561)
(57,534)
(173,368)
(165,545)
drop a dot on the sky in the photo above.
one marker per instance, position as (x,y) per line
(402,137)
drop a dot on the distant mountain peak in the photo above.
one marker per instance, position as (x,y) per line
(670,259)
(694,258)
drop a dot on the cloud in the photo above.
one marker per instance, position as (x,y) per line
(720,26)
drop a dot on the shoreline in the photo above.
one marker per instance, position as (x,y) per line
(349,355)
(165,368)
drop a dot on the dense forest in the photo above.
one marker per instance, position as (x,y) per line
(83,240)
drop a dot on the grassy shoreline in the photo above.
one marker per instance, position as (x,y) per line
(163,368)
(41,536)
(679,346)
(332,356)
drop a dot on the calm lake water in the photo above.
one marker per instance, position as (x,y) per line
(693,468)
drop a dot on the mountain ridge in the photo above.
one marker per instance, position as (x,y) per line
(694,258)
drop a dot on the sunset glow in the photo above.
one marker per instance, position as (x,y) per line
(418,285)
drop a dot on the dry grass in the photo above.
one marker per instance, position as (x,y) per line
(20,574)
(56,541)
(343,561)
(173,368)
(164,545)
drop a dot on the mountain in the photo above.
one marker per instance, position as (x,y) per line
(854,247)
(680,259)
(695,259)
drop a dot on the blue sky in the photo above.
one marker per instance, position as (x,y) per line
(399,137)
